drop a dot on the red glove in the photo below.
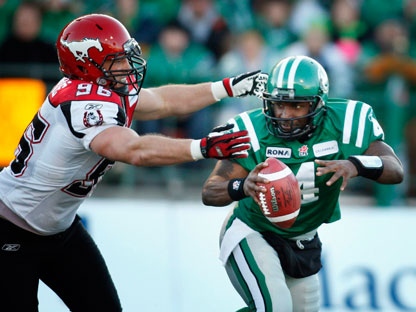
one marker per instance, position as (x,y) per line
(222,145)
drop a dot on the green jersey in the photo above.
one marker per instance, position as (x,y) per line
(347,129)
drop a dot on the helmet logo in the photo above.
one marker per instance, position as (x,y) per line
(80,48)
(93,117)
(323,80)
(284,92)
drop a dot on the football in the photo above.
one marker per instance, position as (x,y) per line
(281,202)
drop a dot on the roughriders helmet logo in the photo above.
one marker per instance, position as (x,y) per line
(80,48)
(323,79)
(93,118)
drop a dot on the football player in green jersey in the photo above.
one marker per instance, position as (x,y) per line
(325,142)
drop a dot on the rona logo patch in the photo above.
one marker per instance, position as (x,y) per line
(278,152)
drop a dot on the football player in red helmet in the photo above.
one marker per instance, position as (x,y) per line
(94,56)
(81,129)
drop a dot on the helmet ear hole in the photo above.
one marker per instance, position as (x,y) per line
(82,69)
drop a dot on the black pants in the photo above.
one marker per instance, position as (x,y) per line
(69,263)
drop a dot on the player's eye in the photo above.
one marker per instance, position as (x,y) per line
(276,104)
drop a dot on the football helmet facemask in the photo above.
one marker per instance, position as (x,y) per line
(88,42)
(296,79)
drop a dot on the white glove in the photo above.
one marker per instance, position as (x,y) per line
(260,83)
(251,83)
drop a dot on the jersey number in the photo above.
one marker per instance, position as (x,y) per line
(81,188)
(306,179)
(33,134)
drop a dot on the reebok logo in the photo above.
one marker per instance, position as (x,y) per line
(10,247)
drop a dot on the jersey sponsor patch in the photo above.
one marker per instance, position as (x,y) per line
(278,152)
(325,148)
(303,151)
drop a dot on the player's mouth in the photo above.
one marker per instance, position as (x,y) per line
(286,126)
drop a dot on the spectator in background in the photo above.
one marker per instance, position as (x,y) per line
(7,9)
(304,13)
(409,13)
(128,12)
(409,16)
(388,69)
(24,45)
(57,14)
(388,53)
(238,14)
(347,29)
(205,25)
(271,18)
(315,43)
(250,52)
(142,19)
(373,12)
(176,59)
(24,53)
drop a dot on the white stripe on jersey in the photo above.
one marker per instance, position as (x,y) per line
(233,122)
(349,114)
(361,125)
(292,72)
(255,145)
(348,123)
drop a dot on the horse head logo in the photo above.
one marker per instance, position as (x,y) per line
(80,48)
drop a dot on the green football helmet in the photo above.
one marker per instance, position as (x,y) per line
(296,79)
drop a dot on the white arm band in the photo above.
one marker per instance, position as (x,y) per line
(218,90)
(370,167)
(196,150)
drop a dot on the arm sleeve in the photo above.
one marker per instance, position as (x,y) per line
(86,119)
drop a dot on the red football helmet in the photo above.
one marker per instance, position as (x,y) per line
(86,43)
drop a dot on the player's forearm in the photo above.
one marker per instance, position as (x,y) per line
(215,193)
(392,171)
(123,144)
(184,99)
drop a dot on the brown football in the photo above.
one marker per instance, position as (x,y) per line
(281,202)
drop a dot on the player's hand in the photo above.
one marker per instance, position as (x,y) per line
(251,83)
(253,181)
(339,168)
(221,145)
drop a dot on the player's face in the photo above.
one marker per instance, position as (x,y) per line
(291,110)
(118,65)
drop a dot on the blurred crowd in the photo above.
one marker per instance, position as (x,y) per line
(367,48)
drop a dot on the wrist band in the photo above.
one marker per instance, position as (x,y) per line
(218,90)
(370,167)
(196,150)
(236,189)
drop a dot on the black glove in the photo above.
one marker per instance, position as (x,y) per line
(222,145)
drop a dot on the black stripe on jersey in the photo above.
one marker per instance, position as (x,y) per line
(66,110)
(121,117)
